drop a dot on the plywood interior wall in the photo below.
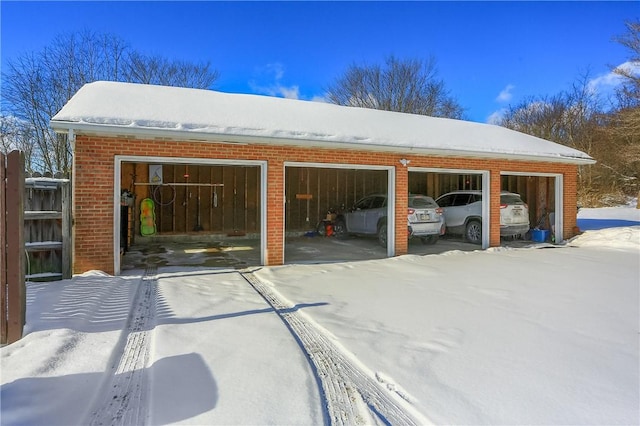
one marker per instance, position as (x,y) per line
(184,207)
(311,192)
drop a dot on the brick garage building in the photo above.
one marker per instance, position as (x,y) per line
(263,165)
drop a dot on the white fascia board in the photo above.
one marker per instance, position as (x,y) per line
(210,137)
(190,161)
(508,173)
(337,166)
(448,171)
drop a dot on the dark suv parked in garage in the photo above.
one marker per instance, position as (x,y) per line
(463,214)
(369,217)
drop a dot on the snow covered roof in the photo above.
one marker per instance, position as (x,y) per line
(191,114)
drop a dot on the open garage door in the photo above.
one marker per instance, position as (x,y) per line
(179,212)
(462,197)
(338,213)
(541,193)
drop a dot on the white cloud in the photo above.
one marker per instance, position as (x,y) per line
(496,116)
(292,92)
(269,82)
(610,80)
(506,95)
(277,69)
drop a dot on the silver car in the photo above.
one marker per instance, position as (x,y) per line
(369,217)
(425,219)
(463,214)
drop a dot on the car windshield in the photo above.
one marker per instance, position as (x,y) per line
(510,199)
(422,202)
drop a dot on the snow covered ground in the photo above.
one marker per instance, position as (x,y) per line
(609,217)
(538,335)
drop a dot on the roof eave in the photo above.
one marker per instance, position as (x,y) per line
(210,137)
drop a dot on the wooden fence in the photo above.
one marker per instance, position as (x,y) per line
(35,238)
(47,228)
(12,276)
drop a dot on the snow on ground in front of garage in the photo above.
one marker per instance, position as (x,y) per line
(503,336)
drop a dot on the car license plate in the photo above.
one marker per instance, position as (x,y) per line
(425,217)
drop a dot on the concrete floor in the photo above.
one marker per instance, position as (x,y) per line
(243,252)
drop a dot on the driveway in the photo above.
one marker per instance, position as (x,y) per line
(239,253)
(406,340)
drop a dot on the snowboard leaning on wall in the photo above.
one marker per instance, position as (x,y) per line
(147,217)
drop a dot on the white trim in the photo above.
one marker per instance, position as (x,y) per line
(391,212)
(211,137)
(73,204)
(486,209)
(264,165)
(506,172)
(559,187)
(117,170)
(558,199)
(391,193)
(336,166)
(185,160)
(448,171)
(486,194)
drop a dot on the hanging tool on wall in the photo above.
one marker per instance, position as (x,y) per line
(186,188)
(198,226)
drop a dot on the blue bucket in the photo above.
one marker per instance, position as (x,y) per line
(539,235)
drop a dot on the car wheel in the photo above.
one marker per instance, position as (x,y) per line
(382,235)
(340,228)
(431,239)
(473,232)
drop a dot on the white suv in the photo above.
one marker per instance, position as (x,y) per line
(369,217)
(463,214)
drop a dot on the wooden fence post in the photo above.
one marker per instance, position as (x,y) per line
(3,251)
(66,230)
(14,227)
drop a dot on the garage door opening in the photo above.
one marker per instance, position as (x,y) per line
(189,214)
(527,206)
(540,194)
(459,195)
(337,213)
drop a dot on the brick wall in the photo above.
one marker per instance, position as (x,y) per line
(94,173)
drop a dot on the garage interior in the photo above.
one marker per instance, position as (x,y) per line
(539,192)
(535,190)
(313,194)
(209,214)
(205,214)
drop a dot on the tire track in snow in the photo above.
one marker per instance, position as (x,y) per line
(346,388)
(124,397)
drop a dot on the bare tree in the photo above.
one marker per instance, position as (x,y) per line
(568,118)
(17,135)
(628,94)
(410,86)
(38,84)
(573,118)
(629,90)
(159,70)
(623,126)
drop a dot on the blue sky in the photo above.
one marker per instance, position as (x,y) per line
(490,54)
